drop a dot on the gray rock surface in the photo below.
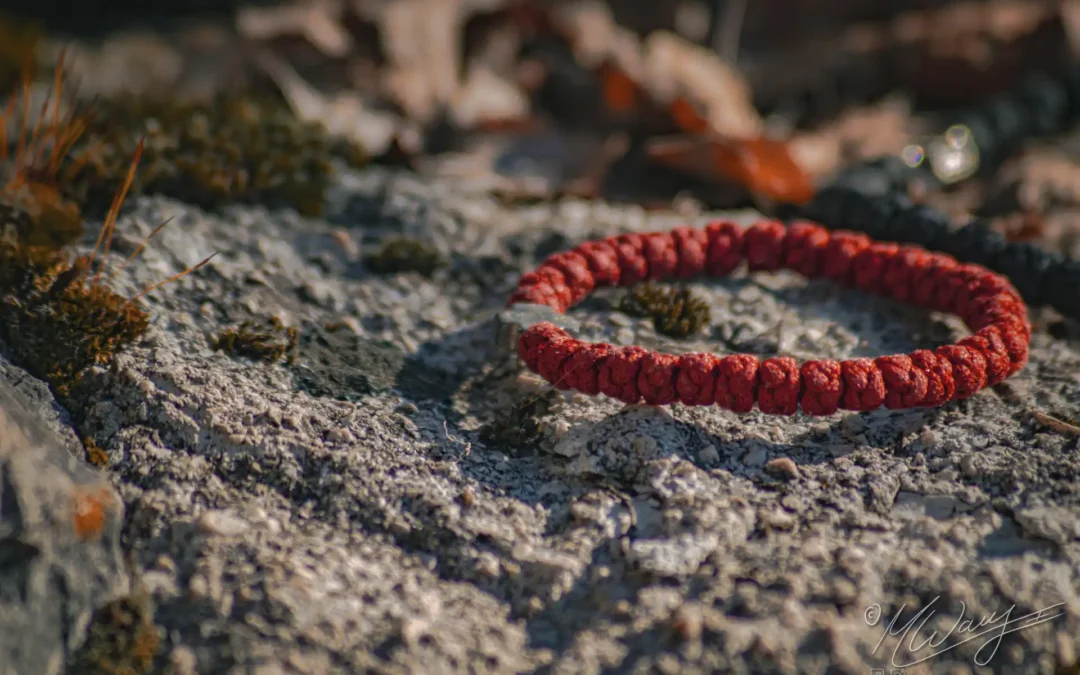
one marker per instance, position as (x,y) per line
(362,510)
(60,520)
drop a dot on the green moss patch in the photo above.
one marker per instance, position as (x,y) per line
(675,312)
(122,639)
(58,316)
(519,428)
(233,148)
(56,320)
(269,341)
(404,254)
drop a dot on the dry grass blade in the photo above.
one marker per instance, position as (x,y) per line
(54,128)
(27,79)
(56,133)
(141,246)
(171,279)
(3,128)
(34,146)
(114,212)
(1054,423)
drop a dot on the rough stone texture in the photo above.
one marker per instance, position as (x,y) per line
(58,562)
(293,519)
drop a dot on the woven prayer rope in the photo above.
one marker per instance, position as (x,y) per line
(988,304)
(871,197)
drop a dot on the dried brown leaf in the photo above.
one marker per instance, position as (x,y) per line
(317,20)
(675,67)
(344,115)
(486,97)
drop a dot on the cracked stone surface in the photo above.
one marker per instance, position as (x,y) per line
(60,520)
(346,514)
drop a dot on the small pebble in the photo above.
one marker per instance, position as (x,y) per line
(582,512)
(560,428)
(853,425)
(339,435)
(971,466)
(198,587)
(687,623)
(345,242)
(782,466)
(221,523)
(406,408)
(290,422)
(709,454)
(183,661)
(468,498)
(1066,653)
(488,565)
(755,457)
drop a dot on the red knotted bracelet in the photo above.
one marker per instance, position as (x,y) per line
(986,302)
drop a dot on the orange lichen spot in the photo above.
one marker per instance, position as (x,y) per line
(91,507)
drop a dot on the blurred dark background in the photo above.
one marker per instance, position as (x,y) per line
(766,21)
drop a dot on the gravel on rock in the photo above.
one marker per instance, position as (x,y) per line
(346,512)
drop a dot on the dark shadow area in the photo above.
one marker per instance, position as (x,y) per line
(555,626)
(98,19)
(1009,540)
(884,325)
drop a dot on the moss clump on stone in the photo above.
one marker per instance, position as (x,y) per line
(37,215)
(95,454)
(58,316)
(405,254)
(232,148)
(122,639)
(55,318)
(521,427)
(56,321)
(674,312)
(269,341)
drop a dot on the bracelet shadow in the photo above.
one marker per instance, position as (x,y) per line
(610,577)
(713,440)
(437,373)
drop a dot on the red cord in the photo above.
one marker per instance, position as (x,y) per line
(987,303)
